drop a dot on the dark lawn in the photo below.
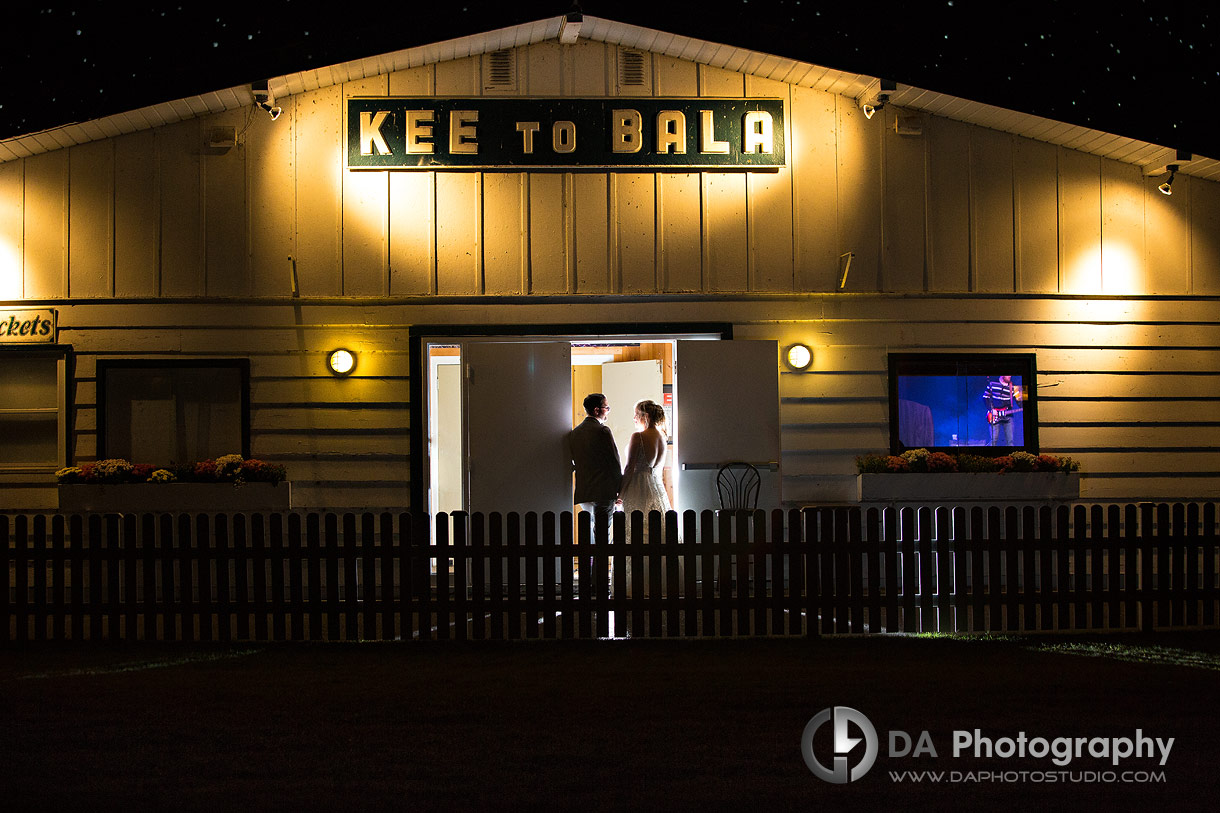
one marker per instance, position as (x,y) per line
(586,725)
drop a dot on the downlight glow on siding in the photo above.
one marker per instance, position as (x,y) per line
(1121,270)
(10,272)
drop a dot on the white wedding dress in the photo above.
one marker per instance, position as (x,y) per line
(644,491)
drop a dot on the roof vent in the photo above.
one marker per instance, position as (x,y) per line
(500,68)
(632,68)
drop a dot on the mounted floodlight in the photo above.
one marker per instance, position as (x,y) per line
(799,357)
(870,109)
(263,98)
(1167,187)
(341,362)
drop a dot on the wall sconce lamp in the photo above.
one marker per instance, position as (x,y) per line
(1167,187)
(799,357)
(341,362)
(264,99)
(569,26)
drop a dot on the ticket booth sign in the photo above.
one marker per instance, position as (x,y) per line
(28,326)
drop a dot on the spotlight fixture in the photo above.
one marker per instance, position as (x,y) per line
(264,99)
(341,362)
(884,87)
(1167,187)
(870,109)
(799,357)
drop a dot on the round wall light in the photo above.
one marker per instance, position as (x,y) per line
(799,357)
(341,362)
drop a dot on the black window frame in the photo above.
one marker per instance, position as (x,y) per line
(104,366)
(976,364)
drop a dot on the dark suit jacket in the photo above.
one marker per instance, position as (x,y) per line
(595,456)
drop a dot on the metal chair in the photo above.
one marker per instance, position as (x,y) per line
(738,484)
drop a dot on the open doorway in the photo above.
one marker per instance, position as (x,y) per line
(490,410)
(625,371)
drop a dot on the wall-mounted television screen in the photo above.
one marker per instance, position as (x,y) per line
(975,403)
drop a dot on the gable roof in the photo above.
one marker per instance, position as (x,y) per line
(1151,157)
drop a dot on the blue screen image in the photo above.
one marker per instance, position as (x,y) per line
(952,410)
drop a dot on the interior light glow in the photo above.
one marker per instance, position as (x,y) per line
(10,272)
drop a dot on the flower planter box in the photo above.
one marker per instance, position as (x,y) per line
(135,498)
(953,488)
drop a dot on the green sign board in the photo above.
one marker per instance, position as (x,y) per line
(619,133)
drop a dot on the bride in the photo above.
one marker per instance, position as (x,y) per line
(642,489)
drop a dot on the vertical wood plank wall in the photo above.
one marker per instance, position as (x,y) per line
(121,228)
(956,208)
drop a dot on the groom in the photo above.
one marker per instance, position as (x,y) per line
(598,471)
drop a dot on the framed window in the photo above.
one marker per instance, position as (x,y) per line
(979,403)
(162,411)
(33,409)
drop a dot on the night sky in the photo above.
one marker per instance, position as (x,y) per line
(1142,69)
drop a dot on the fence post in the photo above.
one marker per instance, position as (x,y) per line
(478,577)
(59,569)
(533,556)
(709,577)
(149,558)
(855,567)
(1191,589)
(910,573)
(979,587)
(461,579)
(774,558)
(673,569)
(351,578)
(243,609)
(390,553)
(550,559)
(652,569)
(21,569)
(38,561)
(567,550)
(872,544)
(259,559)
(368,577)
(690,561)
(945,589)
(1147,548)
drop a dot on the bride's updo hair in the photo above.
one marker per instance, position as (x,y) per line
(653,411)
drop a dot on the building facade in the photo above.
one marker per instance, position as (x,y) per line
(173,289)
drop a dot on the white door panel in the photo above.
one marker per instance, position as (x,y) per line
(625,383)
(518,409)
(727,393)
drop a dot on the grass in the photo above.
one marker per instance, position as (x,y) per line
(583,725)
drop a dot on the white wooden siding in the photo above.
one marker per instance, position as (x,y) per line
(1132,393)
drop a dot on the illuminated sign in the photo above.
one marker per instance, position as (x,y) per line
(28,326)
(618,133)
